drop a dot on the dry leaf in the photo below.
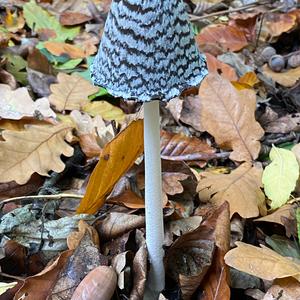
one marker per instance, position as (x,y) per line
(241,188)
(71,92)
(287,78)
(275,24)
(181,147)
(41,148)
(285,288)
(216,66)
(70,18)
(60,48)
(16,104)
(116,158)
(261,262)
(228,115)
(217,39)
(39,285)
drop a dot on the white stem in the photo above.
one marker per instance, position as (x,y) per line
(153,198)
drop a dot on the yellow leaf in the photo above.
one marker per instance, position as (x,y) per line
(247,81)
(37,149)
(261,262)
(228,115)
(71,92)
(241,188)
(116,158)
(105,110)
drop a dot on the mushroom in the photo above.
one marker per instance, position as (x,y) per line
(148,53)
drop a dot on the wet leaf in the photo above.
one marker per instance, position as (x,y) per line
(280,176)
(228,115)
(41,147)
(241,188)
(116,158)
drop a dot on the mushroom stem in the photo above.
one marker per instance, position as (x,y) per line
(153,198)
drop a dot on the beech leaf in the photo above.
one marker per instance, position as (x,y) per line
(116,158)
(241,188)
(71,92)
(280,176)
(37,149)
(261,262)
(228,115)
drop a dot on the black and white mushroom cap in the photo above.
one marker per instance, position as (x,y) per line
(148,51)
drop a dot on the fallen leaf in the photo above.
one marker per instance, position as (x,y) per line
(70,18)
(39,19)
(280,176)
(13,21)
(261,262)
(247,81)
(181,147)
(41,147)
(216,66)
(74,238)
(116,224)
(241,188)
(287,78)
(71,92)
(285,288)
(274,24)
(217,39)
(104,109)
(190,256)
(39,285)
(60,48)
(228,115)
(116,158)
(17,104)
(284,124)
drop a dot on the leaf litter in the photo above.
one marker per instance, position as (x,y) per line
(230,161)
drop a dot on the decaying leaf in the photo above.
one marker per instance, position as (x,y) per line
(280,176)
(228,115)
(60,48)
(71,92)
(116,158)
(241,188)
(262,262)
(41,147)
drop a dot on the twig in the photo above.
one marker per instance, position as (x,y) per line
(198,156)
(41,197)
(228,11)
(12,276)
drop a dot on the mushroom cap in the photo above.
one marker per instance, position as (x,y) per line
(148,51)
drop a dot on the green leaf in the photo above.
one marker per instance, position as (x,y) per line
(69,65)
(280,176)
(283,246)
(16,65)
(37,18)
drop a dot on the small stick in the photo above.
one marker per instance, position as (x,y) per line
(198,156)
(228,11)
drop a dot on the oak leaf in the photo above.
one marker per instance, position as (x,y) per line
(241,188)
(115,159)
(228,115)
(37,149)
(261,262)
(71,92)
